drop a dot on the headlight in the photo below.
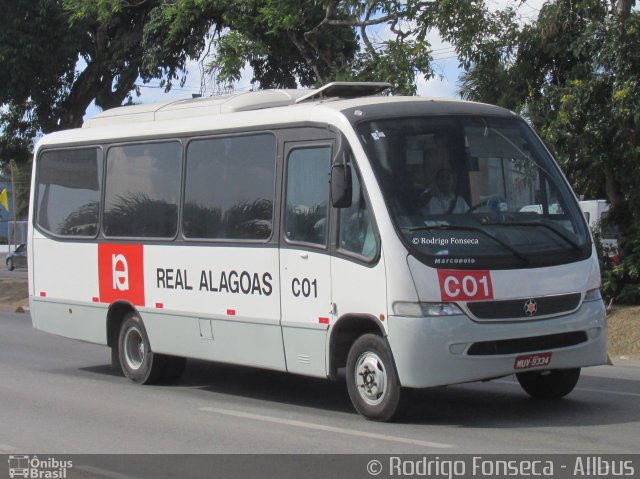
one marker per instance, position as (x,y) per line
(593,295)
(420,310)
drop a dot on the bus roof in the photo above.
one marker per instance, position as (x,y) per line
(251,109)
(233,103)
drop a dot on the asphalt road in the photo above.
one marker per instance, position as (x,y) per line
(18,273)
(61,396)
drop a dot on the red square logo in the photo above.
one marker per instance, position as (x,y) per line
(121,273)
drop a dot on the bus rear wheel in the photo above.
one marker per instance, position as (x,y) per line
(138,362)
(553,384)
(372,379)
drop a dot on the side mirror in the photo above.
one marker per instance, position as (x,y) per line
(341,186)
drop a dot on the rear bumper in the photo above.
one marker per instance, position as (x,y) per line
(434,351)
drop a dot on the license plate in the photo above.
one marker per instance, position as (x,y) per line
(532,361)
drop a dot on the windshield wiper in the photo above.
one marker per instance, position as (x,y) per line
(505,245)
(560,234)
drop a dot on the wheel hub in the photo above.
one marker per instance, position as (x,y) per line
(371,378)
(134,350)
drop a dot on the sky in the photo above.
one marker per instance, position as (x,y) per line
(443,85)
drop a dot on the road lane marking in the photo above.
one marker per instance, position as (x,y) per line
(587,390)
(322,427)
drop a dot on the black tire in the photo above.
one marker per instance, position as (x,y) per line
(137,360)
(370,365)
(10,265)
(552,384)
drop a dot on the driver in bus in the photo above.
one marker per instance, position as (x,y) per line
(443,199)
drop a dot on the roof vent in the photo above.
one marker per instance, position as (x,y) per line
(344,89)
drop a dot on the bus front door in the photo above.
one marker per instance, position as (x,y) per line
(305,264)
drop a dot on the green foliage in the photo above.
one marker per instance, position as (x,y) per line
(233,51)
(398,62)
(35,73)
(620,279)
(59,56)
(295,42)
(278,40)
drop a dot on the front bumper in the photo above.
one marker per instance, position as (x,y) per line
(434,351)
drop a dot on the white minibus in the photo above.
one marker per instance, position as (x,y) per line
(324,232)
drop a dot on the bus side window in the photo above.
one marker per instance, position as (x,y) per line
(356,227)
(229,187)
(308,195)
(142,190)
(69,184)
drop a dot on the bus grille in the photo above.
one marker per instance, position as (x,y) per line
(515,308)
(526,345)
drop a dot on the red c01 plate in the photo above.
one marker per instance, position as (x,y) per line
(532,361)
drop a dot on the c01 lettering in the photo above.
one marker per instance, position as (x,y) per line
(459,285)
(304,287)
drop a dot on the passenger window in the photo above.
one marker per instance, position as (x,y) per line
(356,225)
(142,190)
(230,188)
(69,191)
(308,195)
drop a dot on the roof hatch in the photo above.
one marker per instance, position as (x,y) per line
(344,89)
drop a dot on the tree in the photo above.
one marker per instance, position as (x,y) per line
(59,56)
(33,71)
(289,42)
(295,42)
(575,74)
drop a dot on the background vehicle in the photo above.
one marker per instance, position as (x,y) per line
(17,258)
(595,212)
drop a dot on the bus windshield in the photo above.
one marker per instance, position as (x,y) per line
(475,192)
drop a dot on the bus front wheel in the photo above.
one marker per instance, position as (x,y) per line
(372,379)
(552,384)
(137,361)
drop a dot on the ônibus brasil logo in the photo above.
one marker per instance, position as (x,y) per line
(33,467)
